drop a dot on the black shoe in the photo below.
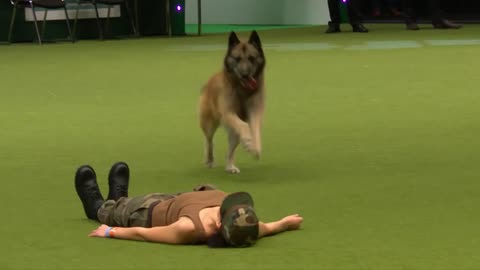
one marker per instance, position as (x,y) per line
(412,26)
(118,181)
(88,191)
(333,28)
(446,24)
(359,28)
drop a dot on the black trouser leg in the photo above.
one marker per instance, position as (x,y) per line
(409,11)
(334,10)
(354,15)
(435,11)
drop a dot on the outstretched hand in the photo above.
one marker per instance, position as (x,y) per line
(292,222)
(99,232)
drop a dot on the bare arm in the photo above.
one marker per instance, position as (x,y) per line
(287,223)
(180,232)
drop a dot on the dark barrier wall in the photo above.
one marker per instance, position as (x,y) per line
(152,21)
(152,16)
(461,10)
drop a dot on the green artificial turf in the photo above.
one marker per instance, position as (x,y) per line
(222,28)
(373,138)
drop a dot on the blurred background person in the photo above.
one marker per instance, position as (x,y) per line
(354,16)
(393,7)
(437,16)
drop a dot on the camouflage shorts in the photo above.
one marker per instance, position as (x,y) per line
(129,212)
(133,211)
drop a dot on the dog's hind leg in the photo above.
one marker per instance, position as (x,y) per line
(233,140)
(209,127)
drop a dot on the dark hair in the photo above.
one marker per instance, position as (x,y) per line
(217,241)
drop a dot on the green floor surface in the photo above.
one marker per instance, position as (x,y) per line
(373,138)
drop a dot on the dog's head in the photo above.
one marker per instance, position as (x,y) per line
(245,61)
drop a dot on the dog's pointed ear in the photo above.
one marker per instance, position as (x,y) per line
(255,40)
(233,40)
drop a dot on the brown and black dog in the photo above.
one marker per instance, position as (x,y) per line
(234,98)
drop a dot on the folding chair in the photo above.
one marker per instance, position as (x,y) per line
(47,4)
(199,17)
(109,3)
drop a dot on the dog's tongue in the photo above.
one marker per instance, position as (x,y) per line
(251,84)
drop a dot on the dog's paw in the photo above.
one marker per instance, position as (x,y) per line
(247,143)
(232,169)
(209,164)
(255,151)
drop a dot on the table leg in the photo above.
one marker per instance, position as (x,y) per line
(137,23)
(199,16)
(169,24)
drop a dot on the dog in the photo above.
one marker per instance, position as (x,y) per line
(234,98)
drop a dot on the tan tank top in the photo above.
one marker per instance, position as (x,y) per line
(187,204)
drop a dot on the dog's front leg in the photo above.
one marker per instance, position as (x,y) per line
(255,118)
(236,124)
(255,122)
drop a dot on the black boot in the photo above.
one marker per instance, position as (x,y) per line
(446,24)
(88,191)
(359,28)
(412,26)
(118,181)
(333,28)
